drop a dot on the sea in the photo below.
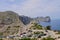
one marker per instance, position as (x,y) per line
(55,24)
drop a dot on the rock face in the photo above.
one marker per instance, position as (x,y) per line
(43,19)
(8,17)
(9,23)
(48,19)
(25,19)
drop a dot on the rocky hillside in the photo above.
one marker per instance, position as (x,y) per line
(8,17)
(9,23)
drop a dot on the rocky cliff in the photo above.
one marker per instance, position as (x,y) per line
(25,19)
(43,19)
(8,17)
(10,23)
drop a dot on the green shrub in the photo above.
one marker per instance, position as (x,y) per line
(1,33)
(28,39)
(48,27)
(48,38)
(25,39)
(1,39)
(37,26)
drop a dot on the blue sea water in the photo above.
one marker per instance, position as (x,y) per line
(55,24)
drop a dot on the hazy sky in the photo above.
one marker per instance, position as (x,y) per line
(32,8)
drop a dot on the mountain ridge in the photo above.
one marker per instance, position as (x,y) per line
(12,23)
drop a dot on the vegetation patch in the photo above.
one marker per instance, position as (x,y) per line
(36,26)
(48,38)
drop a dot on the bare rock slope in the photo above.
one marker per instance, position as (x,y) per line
(9,23)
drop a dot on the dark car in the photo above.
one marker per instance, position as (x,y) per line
(29,30)
(39,36)
(42,35)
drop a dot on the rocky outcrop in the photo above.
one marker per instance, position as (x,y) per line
(25,19)
(8,17)
(43,19)
(10,23)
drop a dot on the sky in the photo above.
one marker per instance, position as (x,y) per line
(32,8)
